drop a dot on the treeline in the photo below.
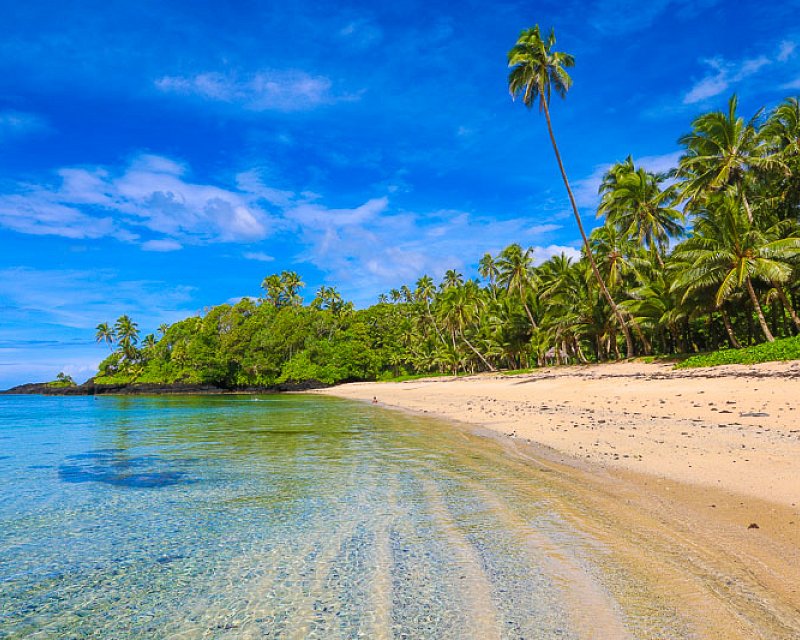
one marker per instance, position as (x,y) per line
(703,257)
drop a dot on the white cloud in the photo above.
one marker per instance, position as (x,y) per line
(151,194)
(268,90)
(795,84)
(786,50)
(541,254)
(727,73)
(162,245)
(80,299)
(258,256)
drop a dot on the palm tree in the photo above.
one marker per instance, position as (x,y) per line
(452,278)
(163,328)
(721,151)
(515,272)
(127,332)
(291,287)
(633,201)
(104,334)
(781,133)
(487,268)
(729,252)
(460,308)
(273,287)
(425,291)
(537,70)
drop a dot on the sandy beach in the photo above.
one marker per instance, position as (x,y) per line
(693,476)
(734,428)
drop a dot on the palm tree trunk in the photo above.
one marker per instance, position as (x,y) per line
(759,311)
(433,322)
(589,256)
(787,305)
(477,353)
(729,329)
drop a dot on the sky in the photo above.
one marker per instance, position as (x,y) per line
(161,158)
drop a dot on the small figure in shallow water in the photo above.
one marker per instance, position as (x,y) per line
(374,399)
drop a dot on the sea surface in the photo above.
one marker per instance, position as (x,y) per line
(285,517)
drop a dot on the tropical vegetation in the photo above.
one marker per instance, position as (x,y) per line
(701,258)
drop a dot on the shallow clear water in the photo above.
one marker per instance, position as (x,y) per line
(276,517)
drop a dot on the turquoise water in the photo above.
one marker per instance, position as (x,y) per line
(277,517)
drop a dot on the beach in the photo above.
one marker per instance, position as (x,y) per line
(691,475)
(735,428)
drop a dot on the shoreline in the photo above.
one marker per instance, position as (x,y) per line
(723,550)
(734,428)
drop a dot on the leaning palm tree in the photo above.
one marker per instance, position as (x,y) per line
(104,334)
(537,70)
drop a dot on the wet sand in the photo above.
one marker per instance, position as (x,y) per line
(689,477)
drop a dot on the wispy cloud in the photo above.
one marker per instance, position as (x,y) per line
(258,256)
(49,317)
(18,123)
(268,90)
(727,73)
(151,194)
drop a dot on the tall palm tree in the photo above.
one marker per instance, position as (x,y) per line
(722,150)
(425,292)
(104,334)
(633,201)
(537,70)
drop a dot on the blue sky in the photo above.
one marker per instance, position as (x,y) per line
(159,158)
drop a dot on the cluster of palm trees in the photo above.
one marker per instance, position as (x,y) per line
(703,256)
(125,333)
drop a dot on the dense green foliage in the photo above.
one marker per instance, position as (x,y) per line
(697,259)
(785,349)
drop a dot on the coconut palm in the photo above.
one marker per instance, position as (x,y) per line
(634,201)
(127,332)
(104,333)
(537,71)
(722,151)
(452,278)
(515,272)
(487,268)
(460,308)
(291,287)
(729,253)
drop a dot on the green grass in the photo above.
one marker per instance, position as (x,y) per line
(780,350)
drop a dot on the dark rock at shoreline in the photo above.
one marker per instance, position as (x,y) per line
(89,388)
